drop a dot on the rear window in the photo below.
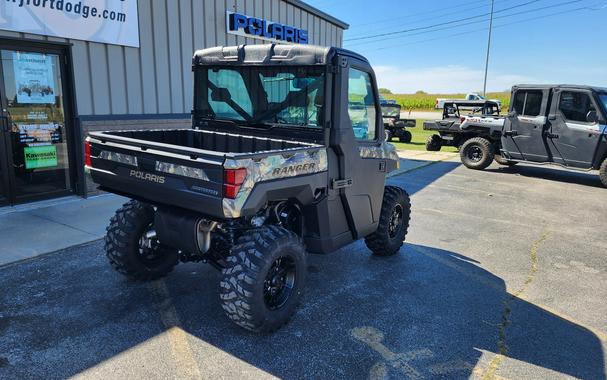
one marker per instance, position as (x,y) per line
(528,102)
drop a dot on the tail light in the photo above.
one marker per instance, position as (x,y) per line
(87,153)
(232,180)
(462,119)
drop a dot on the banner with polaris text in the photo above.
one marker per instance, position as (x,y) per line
(107,21)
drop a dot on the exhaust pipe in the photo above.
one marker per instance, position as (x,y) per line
(184,230)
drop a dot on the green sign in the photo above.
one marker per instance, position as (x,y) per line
(40,156)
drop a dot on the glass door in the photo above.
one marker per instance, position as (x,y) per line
(35,139)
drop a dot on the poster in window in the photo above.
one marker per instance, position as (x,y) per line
(34,78)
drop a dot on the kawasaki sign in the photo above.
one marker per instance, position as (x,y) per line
(254,27)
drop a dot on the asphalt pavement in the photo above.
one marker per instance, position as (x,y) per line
(503,275)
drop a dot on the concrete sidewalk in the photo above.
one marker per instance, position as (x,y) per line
(33,229)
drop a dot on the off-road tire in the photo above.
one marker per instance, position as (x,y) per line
(122,246)
(244,280)
(382,242)
(388,135)
(406,137)
(433,144)
(477,153)
(603,172)
(503,161)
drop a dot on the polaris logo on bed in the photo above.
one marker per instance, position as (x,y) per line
(294,169)
(254,27)
(147,176)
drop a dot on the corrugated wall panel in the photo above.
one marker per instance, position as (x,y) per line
(161,56)
(146,57)
(175,58)
(82,73)
(134,83)
(209,31)
(117,79)
(100,79)
(187,51)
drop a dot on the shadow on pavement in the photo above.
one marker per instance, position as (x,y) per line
(423,313)
(552,174)
(415,180)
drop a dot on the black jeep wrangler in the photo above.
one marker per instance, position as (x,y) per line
(557,124)
(393,124)
(271,169)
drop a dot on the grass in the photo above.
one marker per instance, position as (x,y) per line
(423,101)
(418,141)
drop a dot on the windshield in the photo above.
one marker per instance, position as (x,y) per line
(390,110)
(261,96)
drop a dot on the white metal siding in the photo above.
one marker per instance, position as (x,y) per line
(156,78)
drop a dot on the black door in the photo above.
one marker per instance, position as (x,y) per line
(361,145)
(36,120)
(525,128)
(574,137)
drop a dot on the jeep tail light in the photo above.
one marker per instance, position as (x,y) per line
(232,180)
(462,119)
(87,154)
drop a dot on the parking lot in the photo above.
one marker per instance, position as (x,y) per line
(503,275)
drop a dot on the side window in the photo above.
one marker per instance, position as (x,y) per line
(361,105)
(575,106)
(528,103)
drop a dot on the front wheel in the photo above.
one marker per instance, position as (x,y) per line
(405,137)
(264,278)
(132,247)
(603,172)
(393,223)
(477,153)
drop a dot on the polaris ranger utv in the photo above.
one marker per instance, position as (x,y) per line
(563,124)
(271,169)
(457,125)
(393,124)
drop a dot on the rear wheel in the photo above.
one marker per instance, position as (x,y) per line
(477,153)
(132,247)
(393,223)
(264,278)
(405,137)
(434,143)
(503,161)
(603,172)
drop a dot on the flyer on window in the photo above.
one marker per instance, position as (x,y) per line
(34,78)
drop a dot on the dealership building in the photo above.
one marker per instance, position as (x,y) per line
(69,67)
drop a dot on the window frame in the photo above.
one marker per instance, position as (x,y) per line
(369,72)
(526,92)
(589,94)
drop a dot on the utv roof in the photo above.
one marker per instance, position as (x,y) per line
(551,86)
(472,103)
(270,54)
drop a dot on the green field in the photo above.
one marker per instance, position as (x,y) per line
(418,142)
(422,101)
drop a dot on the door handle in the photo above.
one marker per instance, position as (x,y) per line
(510,133)
(551,135)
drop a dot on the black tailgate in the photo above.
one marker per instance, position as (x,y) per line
(168,175)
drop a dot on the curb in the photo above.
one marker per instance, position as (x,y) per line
(404,171)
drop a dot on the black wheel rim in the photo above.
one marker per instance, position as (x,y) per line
(396,221)
(474,153)
(149,252)
(279,283)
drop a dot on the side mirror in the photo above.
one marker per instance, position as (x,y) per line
(220,94)
(512,114)
(592,117)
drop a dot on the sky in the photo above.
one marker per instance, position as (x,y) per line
(440,46)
